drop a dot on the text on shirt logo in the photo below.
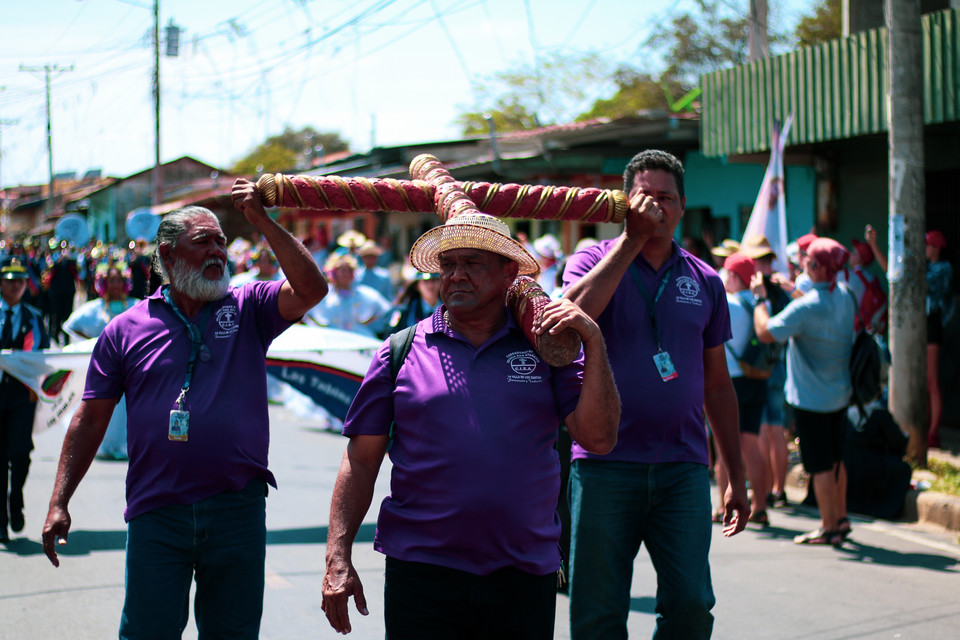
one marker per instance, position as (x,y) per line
(689,291)
(523,363)
(226,320)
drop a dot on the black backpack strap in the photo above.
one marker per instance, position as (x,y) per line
(400,343)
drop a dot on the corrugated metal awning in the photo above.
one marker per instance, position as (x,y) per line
(835,90)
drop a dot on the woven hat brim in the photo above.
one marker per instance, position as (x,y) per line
(424,255)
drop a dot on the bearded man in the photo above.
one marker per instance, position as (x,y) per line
(189,361)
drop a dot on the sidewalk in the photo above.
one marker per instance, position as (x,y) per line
(920,505)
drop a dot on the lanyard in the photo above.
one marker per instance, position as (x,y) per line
(197,347)
(651,304)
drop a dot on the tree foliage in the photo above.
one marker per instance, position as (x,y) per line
(534,95)
(636,92)
(825,24)
(294,149)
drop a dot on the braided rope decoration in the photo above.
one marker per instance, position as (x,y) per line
(525,298)
(536,202)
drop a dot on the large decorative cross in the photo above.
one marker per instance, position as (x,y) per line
(434,189)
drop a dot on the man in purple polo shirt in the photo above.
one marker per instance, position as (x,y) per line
(190,362)
(470,528)
(664,314)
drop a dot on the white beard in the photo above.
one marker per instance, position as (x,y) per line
(192,283)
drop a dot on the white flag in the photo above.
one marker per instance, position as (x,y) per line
(769,216)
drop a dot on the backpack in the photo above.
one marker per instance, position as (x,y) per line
(873,306)
(866,364)
(400,343)
(758,359)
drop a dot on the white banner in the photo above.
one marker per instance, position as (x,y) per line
(326,364)
(769,215)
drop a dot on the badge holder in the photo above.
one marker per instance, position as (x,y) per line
(179,421)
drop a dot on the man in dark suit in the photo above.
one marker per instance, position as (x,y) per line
(21,328)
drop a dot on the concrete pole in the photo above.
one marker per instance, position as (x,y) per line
(758,44)
(907,220)
(157,177)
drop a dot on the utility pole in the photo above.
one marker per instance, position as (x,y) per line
(3,194)
(47,69)
(157,178)
(907,224)
(758,42)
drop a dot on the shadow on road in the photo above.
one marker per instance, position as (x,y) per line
(82,543)
(858,552)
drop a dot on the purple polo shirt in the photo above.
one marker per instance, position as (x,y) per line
(143,354)
(475,476)
(659,421)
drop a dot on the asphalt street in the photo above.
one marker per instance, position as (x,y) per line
(890,580)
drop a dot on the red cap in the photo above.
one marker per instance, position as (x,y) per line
(864,251)
(936,239)
(804,242)
(829,253)
(742,265)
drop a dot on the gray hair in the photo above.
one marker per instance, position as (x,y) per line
(172,226)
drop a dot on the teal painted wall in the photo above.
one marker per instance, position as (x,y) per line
(724,188)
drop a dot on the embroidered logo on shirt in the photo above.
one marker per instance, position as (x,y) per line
(523,364)
(689,291)
(226,320)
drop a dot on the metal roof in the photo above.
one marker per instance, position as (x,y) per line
(835,90)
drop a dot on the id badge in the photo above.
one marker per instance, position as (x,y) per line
(179,425)
(665,366)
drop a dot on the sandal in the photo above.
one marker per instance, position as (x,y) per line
(759,517)
(843,527)
(819,536)
(718,516)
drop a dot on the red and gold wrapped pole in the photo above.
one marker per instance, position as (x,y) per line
(525,298)
(530,202)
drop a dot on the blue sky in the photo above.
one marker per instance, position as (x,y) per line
(376,71)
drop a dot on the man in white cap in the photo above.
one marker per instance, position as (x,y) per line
(470,529)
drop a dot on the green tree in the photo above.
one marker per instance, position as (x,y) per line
(534,95)
(636,92)
(294,149)
(700,42)
(824,25)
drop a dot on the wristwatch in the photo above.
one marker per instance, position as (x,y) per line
(759,299)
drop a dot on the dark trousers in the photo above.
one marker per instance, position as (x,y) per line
(426,601)
(16,443)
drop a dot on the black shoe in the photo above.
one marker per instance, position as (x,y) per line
(16,520)
(4,538)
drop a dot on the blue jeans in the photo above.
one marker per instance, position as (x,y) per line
(221,541)
(617,506)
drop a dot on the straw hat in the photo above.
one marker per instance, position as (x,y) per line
(757,246)
(470,231)
(369,248)
(351,239)
(727,248)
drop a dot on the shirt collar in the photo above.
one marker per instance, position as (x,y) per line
(4,306)
(437,324)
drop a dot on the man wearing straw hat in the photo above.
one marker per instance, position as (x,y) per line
(470,529)
(666,313)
